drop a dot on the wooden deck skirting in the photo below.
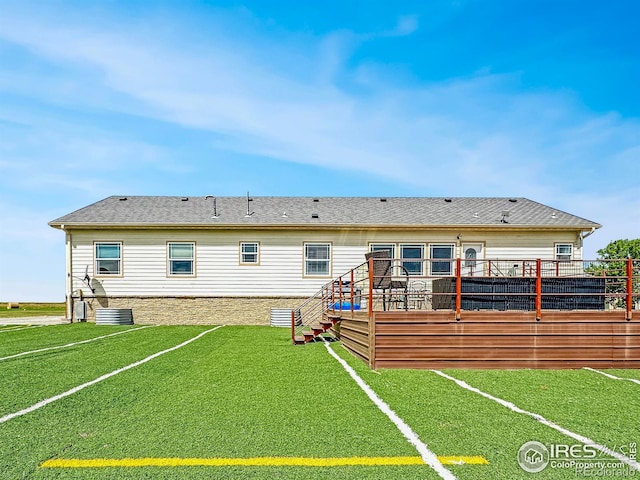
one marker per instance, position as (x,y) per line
(493,339)
(354,334)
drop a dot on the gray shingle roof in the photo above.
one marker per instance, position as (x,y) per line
(330,211)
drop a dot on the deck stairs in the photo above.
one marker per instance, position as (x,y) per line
(313,321)
(315,331)
(319,316)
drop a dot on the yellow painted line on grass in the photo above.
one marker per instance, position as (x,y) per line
(477,460)
(254,462)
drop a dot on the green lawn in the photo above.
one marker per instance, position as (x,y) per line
(243,392)
(32,310)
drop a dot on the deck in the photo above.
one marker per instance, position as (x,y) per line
(567,319)
(510,339)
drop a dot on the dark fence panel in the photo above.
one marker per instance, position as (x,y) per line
(518,293)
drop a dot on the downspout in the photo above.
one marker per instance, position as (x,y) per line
(69,278)
(585,235)
(582,235)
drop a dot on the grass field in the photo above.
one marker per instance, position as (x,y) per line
(239,393)
(32,310)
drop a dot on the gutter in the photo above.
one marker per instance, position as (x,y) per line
(323,226)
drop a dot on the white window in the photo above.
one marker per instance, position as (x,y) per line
(564,251)
(249,253)
(317,259)
(441,251)
(181,258)
(389,247)
(108,258)
(411,257)
(386,247)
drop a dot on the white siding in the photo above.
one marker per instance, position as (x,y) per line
(529,246)
(280,273)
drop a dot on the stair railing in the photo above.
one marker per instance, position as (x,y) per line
(308,312)
(346,292)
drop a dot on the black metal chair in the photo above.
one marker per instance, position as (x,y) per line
(383,279)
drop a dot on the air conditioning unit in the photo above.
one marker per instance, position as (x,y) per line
(80,311)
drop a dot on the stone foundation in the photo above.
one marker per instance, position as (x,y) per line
(195,310)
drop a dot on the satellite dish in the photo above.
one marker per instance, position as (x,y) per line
(87,279)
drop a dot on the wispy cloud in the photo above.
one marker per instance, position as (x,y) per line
(52,155)
(262,111)
(412,133)
(303,98)
(407,24)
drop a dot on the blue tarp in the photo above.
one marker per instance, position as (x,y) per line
(346,306)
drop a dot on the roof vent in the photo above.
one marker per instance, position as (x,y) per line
(215,205)
(505,214)
(185,199)
(284,215)
(316,200)
(383,199)
(553,215)
(475,215)
(315,215)
(448,200)
(249,200)
(123,199)
(513,200)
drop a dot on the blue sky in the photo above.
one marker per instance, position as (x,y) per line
(413,98)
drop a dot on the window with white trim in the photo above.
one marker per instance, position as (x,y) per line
(389,247)
(249,253)
(181,258)
(317,259)
(108,258)
(564,251)
(410,252)
(441,251)
(386,247)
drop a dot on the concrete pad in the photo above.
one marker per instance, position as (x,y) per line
(33,321)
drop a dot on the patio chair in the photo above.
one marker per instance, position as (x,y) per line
(418,295)
(383,279)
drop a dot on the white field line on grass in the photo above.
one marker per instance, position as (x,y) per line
(514,408)
(47,401)
(427,455)
(15,329)
(612,377)
(57,347)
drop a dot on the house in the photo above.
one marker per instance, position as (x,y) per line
(187,260)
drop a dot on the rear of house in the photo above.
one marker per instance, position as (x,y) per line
(188,260)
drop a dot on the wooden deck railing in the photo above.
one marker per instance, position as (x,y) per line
(515,284)
(459,285)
